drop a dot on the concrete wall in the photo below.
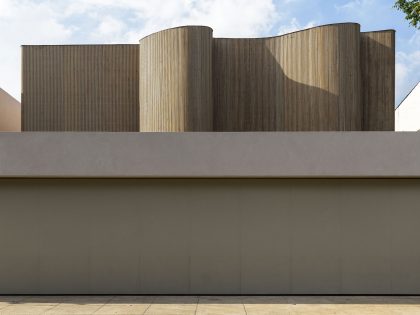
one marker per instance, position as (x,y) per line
(10,114)
(202,236)
(210,154)
(407,115)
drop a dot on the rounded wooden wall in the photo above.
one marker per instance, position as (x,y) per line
(303,81)
(176,80)
(327,78)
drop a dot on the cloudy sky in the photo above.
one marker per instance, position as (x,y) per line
(126,21)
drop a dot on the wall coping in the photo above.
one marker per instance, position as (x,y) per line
(210,154)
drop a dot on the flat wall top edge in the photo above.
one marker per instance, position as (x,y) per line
(380,31)
(210,155)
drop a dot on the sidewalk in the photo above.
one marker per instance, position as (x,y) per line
(230,305)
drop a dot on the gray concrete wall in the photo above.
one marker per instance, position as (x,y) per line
(202,236)
(210,154)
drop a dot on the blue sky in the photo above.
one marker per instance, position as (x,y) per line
(126,21)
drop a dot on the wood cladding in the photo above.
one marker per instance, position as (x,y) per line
(311,80)
(175,80)
(378,80)
(80,88)
(327,78)
(304,81)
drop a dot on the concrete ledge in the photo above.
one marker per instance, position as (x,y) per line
(210,154)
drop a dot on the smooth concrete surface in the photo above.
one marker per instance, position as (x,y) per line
(210,154)
(209,236)
(210,305)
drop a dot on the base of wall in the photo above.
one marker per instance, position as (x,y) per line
(209,236)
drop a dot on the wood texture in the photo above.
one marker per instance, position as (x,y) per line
(307,80)
(378,80)
(247,86)
(327,78)
(80,88)
(175,80)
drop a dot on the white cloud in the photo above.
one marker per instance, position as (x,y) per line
(235,18)
(415,39)
(407,67)
(110,21)
(355,5)
(294,26)
(109,30)
(370,14)
(407,73)
(25,22)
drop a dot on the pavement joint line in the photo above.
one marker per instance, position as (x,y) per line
(147,308)
(107,302)
(246,313)
(196,307)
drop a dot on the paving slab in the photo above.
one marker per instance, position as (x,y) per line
(210,305)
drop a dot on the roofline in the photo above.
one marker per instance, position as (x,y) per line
(1,89)
(204,26)
(409,93)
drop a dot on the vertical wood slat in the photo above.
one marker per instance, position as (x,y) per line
(175,81)
(289,82)
(80,88)
(322,79)
(377,51)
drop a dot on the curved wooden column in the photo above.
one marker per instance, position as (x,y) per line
(378,80)
(303,81)
(175,80)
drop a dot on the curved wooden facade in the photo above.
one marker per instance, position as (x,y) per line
(327,78)
(175,81)
(303,81)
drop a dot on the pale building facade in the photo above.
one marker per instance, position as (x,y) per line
(407,114)
(9,112)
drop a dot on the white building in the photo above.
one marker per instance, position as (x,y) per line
(407,114)
(10,112)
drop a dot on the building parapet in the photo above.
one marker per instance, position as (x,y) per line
(210,155)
